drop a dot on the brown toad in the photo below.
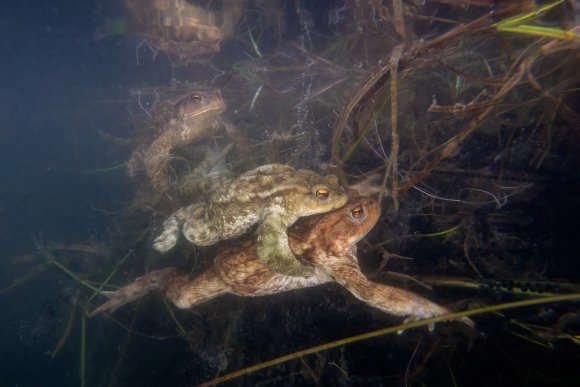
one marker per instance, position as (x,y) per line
(326,241)
(183,29)
(274,196)
(195,116)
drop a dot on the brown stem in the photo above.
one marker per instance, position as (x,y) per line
(394,156)
(454,142)
(381,75)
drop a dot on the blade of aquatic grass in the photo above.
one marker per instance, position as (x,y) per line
(354,145)
(440,233)
(98,283)
(408,236)
(347,110)
(26,277)
(529,339)
(53,260)
(545,32)
(117,266)
(452,375)
(468,258)
(542,335)
(517,287)
(67,329)
(254,44)
(172,314)
(518,24)
(390,330)
(123,348)
(89,284)
(258,91)
(527,17)
(83,348)
(103,170)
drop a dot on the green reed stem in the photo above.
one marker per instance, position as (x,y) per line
(398,328)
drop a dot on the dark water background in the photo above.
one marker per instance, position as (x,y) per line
(60,84)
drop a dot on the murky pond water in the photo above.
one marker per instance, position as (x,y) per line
(226,139)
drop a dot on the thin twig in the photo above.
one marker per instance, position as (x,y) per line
(394,157)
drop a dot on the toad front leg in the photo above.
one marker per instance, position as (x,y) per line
(173,225)
(274,250)
(399,302)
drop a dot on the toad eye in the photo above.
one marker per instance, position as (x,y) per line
(357,213)
(322,193)
(195,97)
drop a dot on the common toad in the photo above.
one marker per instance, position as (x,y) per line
(182,29)
(326,241)
(274,196)
(198,115)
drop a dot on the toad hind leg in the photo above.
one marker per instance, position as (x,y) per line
(274,251)
(185,293)
(179,289)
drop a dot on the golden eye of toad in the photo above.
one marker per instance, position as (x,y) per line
(357,212)
(322,193)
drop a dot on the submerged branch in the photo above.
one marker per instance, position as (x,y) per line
(394,156)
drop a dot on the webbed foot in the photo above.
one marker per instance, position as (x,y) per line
(427,309)
(157,279)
